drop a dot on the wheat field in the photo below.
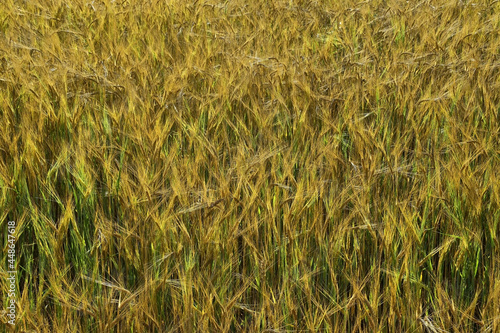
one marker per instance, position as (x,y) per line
(238,166)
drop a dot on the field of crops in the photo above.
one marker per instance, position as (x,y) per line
(250,166)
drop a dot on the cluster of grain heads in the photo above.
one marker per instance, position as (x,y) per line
(221,166)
